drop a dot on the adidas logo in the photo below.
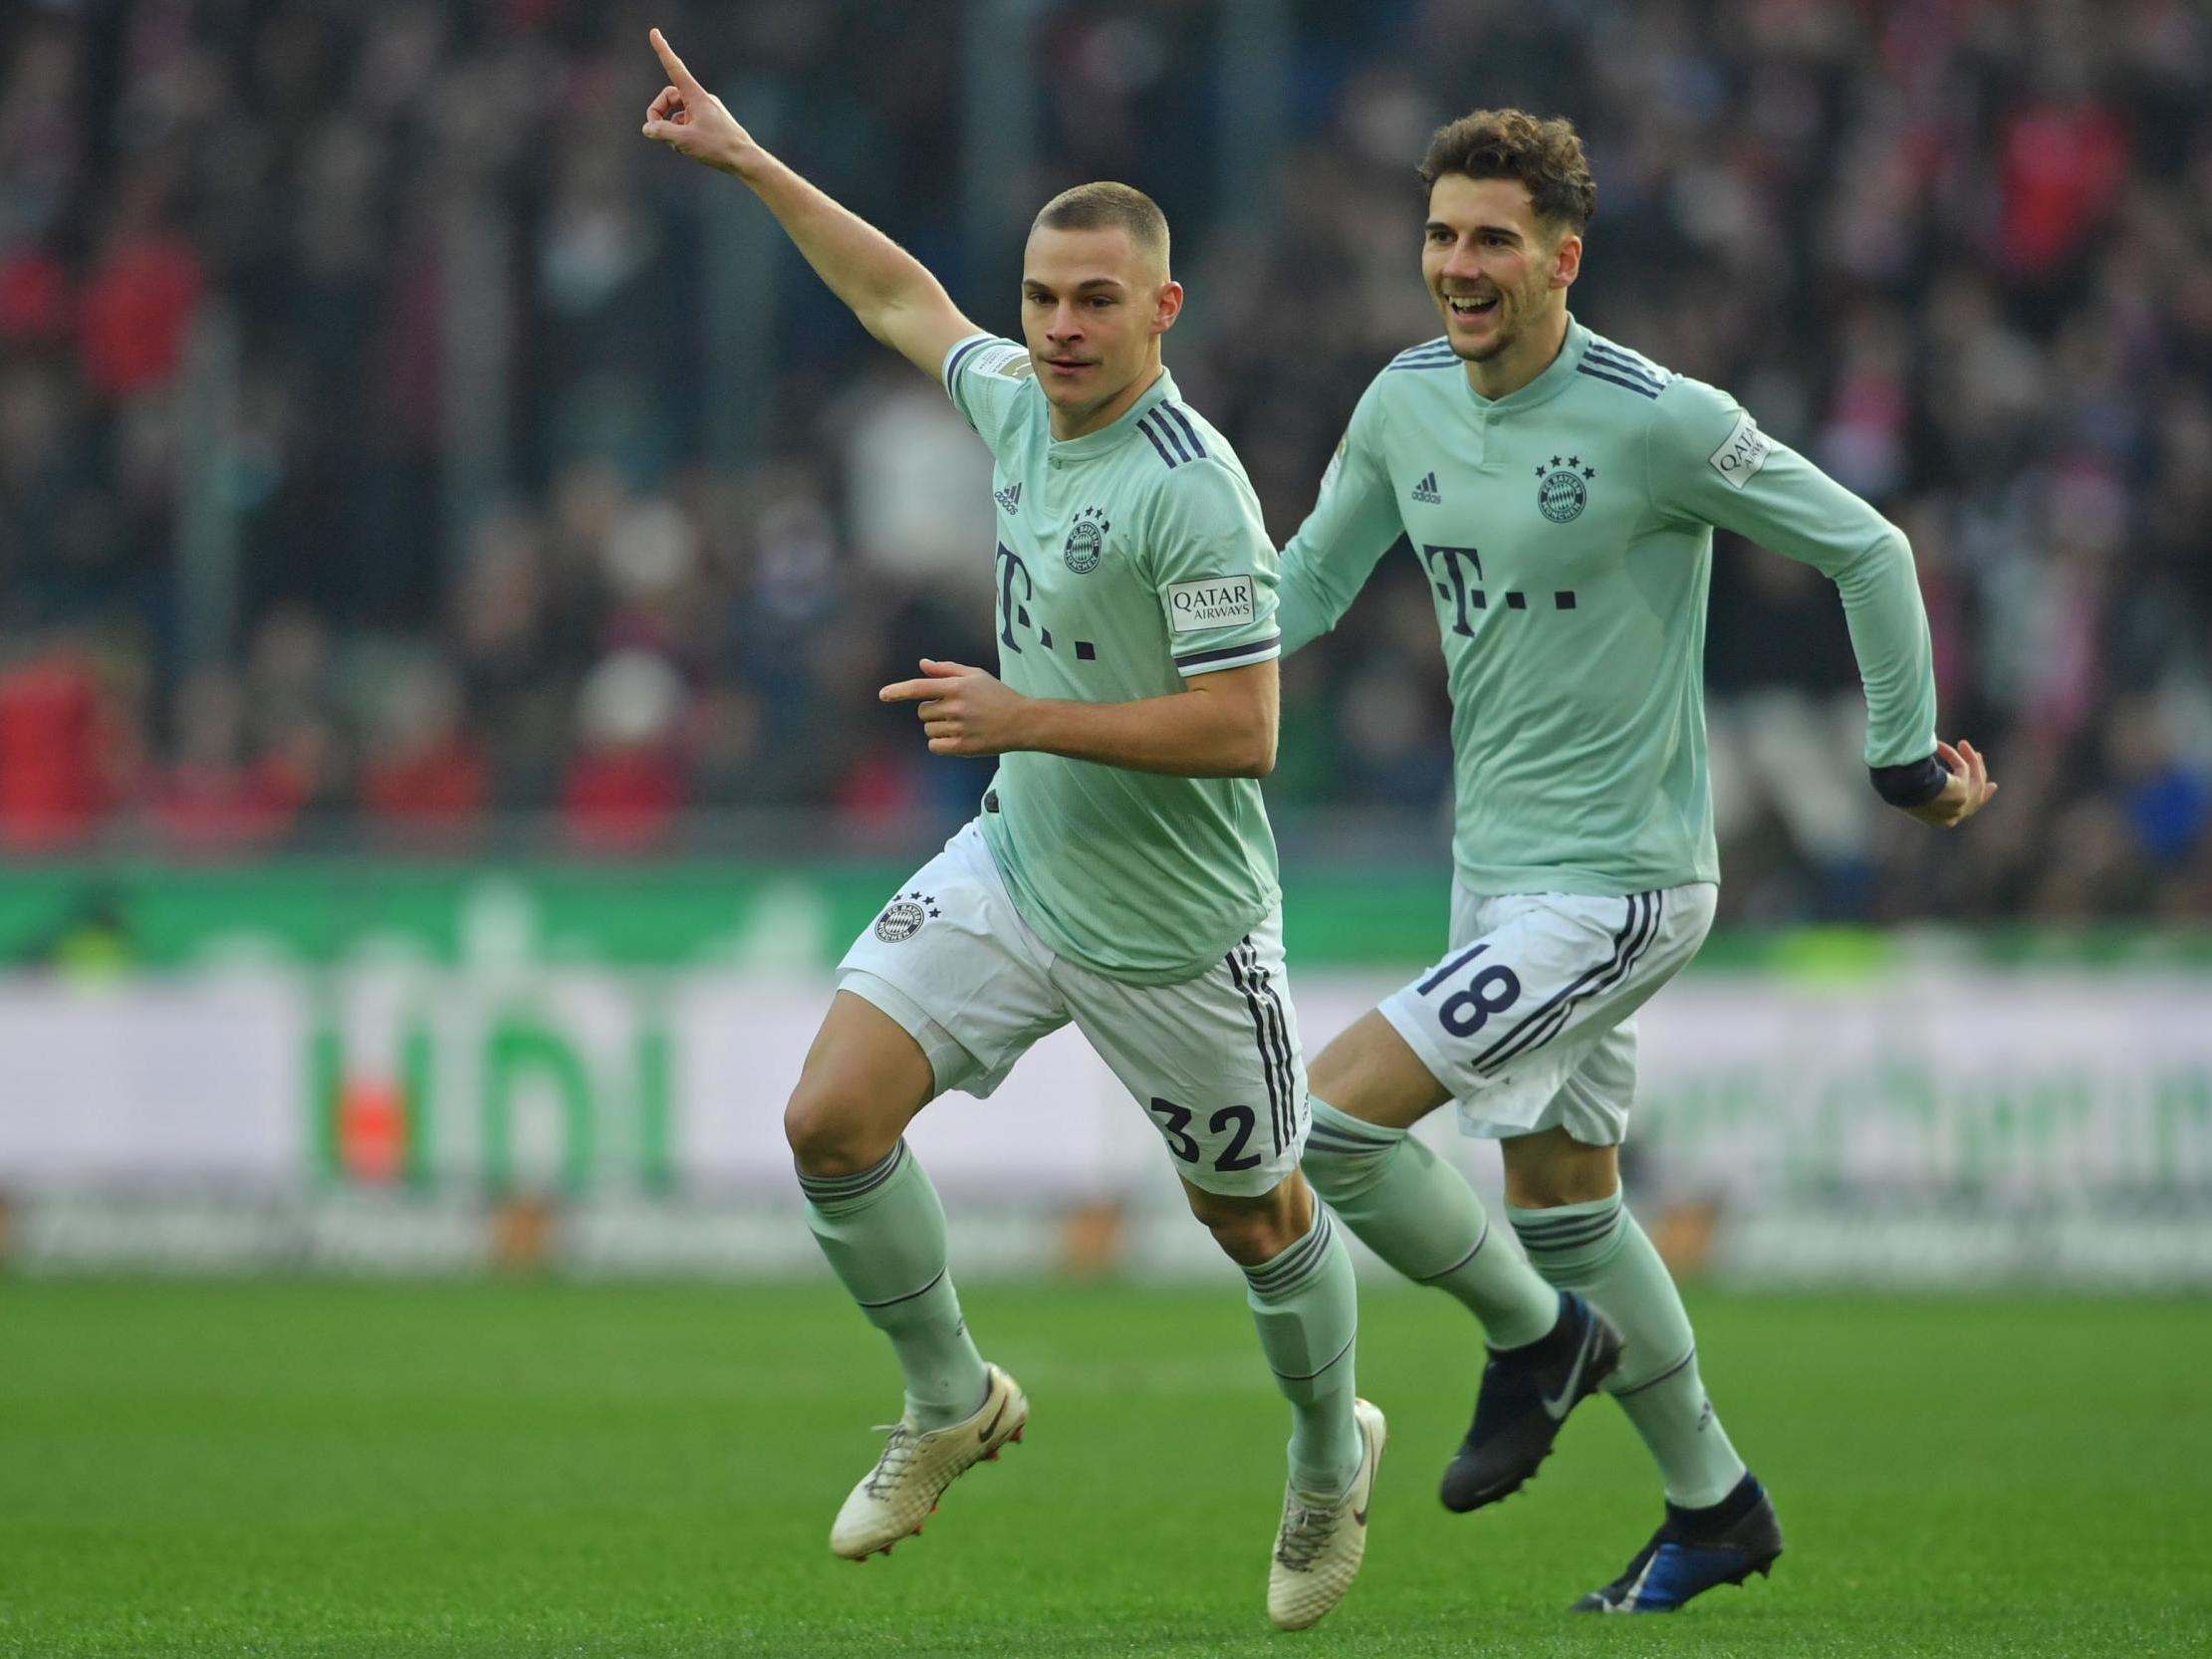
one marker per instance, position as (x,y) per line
(1425,491)
(1010,498)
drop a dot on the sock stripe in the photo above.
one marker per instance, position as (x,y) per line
(894,1301)
(1286,1377)
(1543,1228)
(1344,1126)
(1297,1264)
(1654,1383)
(834,1188)
(1482,1238)
(1568,1237)
(1335,1143)
(1294,1265)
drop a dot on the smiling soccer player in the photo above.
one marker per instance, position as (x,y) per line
(1122,875)
(1562,491)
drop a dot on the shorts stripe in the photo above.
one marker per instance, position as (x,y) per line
(1263,1040)
(1637,948)
(1450,968)
(1272,1000)
(1637,929)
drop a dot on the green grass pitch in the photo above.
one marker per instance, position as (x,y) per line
(493,1469)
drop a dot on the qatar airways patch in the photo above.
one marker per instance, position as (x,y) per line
(1746,450)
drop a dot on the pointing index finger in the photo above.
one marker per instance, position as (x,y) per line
(682,76)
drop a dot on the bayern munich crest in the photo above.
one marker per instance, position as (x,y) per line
(1561,494)
(1085,541)
(903,918)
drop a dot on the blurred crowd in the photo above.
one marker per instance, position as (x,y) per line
(1958,251)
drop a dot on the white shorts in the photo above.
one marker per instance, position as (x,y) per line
(1529,1018)
(1215,1060)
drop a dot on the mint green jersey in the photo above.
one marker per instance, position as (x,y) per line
(1566,531)
(1128,561)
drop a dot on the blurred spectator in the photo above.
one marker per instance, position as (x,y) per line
(509,546)
(625,783)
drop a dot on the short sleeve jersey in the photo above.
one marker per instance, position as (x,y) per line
(1128,561)
(1566,533)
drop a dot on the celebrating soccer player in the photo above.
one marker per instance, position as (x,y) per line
(1122,873)
(1561,492)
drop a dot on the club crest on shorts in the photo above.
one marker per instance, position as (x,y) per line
(1561,494)
(1085,541)
(903,918)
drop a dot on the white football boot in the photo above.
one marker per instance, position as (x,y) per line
(903,1490)
(1318,1552)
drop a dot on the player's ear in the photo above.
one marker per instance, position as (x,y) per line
(1168,304)
(1566,260)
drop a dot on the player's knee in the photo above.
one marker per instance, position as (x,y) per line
(829,1132)
(1546,1170)
(1251,1231)
(1250,1237)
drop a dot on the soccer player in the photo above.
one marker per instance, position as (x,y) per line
(1560,493)
(1122,873)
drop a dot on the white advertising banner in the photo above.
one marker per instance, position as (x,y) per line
(1963,1099)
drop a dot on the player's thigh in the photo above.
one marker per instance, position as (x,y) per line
(1214,1061)
(863,1080)
(1371,1073)
(950,962)
(1534,987)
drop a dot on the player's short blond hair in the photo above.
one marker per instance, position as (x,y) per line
(1544,156)
(1106,205)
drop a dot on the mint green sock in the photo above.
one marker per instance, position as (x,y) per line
(1418,1214)
(1306,1305)
(883,1231)
(1598,1250)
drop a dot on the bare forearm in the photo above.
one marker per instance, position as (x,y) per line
(861,266)
(1190,733)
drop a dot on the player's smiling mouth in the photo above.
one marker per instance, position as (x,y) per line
(1471,305)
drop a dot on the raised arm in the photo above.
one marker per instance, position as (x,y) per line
(890,290)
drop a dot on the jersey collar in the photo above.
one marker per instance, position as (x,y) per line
(1544,386)
(1121,432)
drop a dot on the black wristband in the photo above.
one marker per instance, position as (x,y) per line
(1914,785)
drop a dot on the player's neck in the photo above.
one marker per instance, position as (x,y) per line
(1523,360)
(1067,424)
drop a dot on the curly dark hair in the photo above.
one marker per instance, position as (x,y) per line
(1544,156)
